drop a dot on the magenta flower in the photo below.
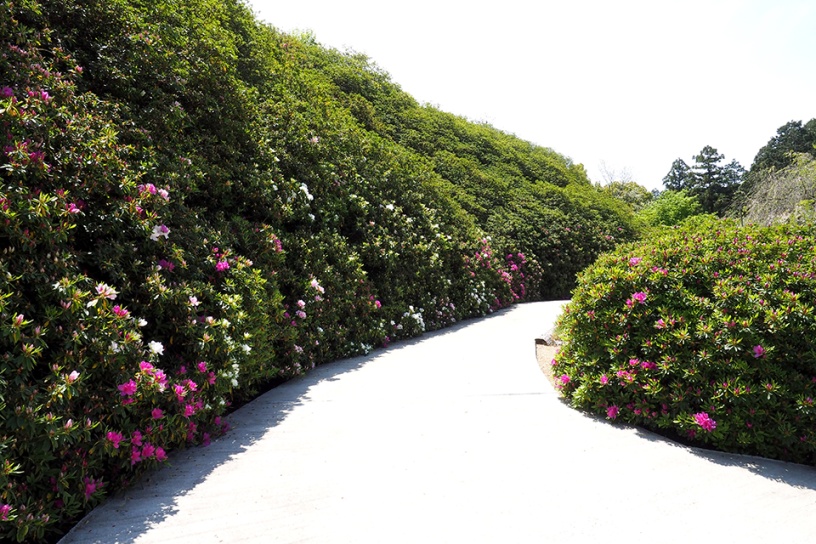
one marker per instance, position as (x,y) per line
(189,410)
(164,264)
(127,389)
(72,208)
(612,412)
(120,312)
(301,314)
(114,438)
(640,297)
(147,451)
(157,413)
(160,454)
(564,379)
(604,379)
(7,92)
(202,367)
(703,420)
(136,438)
(4,508)
(222,265)
(634,261)
(759,351)
(145,366)
(90,487)
(135,456)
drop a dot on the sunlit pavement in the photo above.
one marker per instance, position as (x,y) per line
(455,437)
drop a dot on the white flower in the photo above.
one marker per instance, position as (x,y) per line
(142,323)
(106,291)
(390,207)
(156,347)
(159,231)
(115,347)
(246,348)
(194,301)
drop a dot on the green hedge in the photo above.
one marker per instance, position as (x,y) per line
(703,333)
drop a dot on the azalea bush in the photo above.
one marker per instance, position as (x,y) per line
(703,333)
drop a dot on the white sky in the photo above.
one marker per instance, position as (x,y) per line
(625,85)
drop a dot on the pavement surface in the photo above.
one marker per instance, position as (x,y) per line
(453,437)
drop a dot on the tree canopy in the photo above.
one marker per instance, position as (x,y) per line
(713,183)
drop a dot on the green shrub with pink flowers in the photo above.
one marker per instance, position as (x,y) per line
(704,333)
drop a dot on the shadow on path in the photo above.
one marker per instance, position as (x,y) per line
(154,496)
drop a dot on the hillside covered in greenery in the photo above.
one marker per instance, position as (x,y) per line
(195,205)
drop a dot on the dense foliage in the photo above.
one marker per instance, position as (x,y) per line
(703,333)
(670,208)
(194,205)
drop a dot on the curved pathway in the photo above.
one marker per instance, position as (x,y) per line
(454,437)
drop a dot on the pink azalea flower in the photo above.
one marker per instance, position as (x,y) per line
(222,265)
(114,438)
(147,451)
(120,312)
(160,454)
(202,367)
(759,352)
(640,297)
(136,438)
(660,324)
(188,410)
(127,389)
(72,208)
(72,377)
(301,314)
(612,412)
(565,379)
(604,379)
(703,420)
(301,304)
(145,366)
(157,413)
(90,487)
(634,261)
(135,456)
(194,301)
(4,508)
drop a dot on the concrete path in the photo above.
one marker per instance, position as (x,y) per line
(455,437)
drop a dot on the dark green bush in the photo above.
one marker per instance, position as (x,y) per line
(704,332)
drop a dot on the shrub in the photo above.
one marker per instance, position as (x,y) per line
(704,333)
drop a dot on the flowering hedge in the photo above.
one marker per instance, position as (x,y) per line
(704,333)
(188,214)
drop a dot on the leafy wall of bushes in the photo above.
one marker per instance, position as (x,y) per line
(195,205)
(703,333)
